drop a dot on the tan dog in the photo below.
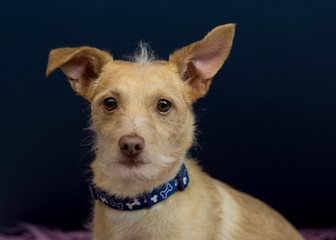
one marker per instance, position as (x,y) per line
(144,124)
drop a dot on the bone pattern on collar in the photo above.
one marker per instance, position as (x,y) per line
(146,200)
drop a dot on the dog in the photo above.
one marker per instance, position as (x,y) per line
(144,184)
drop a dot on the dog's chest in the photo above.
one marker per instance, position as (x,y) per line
(146,224)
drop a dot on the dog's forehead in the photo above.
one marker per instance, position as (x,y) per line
(138,76)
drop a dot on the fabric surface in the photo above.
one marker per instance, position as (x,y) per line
(319,234)
(33,232)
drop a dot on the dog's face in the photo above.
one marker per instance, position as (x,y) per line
(142,118)
(141,111)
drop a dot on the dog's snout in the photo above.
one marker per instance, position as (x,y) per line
(131,146)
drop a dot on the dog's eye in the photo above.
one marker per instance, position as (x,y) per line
(163,106)
(110,104)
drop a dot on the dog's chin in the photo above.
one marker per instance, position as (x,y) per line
(114,165)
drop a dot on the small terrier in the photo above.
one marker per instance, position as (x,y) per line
(144,184)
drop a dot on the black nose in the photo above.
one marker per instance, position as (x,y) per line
(131,146)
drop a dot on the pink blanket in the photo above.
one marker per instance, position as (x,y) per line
(33,232)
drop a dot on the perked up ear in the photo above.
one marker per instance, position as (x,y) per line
(81,65)
(197,63)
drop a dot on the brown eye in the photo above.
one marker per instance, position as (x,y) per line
(163,106)
(110,104)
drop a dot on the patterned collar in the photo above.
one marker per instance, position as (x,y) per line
(146,200)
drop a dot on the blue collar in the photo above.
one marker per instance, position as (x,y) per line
(146,200)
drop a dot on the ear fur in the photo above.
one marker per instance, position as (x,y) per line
(198,62)
(82,66)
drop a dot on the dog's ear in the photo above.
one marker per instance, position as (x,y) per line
(199,62)
(81,65)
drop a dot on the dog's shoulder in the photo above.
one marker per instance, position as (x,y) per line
(235,212)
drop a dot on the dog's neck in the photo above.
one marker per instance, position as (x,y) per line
(145,200)
(109,179)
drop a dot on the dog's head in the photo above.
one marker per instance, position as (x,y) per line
(141,110)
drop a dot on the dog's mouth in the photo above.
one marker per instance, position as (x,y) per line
(132,162)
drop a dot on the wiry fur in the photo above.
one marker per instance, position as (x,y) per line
(207,208)
(143,54)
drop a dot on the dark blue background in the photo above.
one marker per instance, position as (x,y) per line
(267,126)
